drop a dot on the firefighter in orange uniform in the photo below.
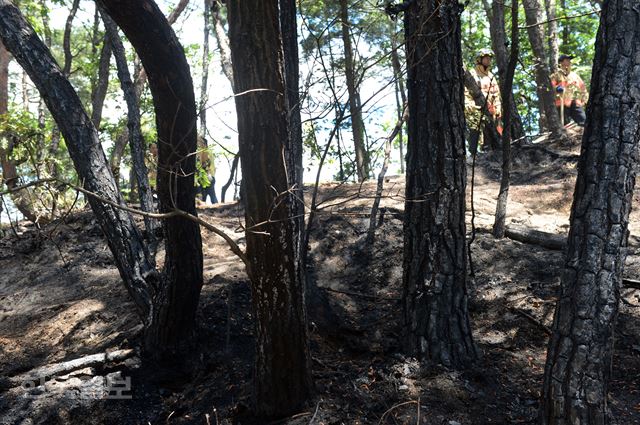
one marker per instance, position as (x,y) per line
(491,91)
(570,90)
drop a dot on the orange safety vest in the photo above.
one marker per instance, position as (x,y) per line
(574,88)
(490,89)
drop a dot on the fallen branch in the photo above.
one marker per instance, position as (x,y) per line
(384,415)
(531,236)
(631,283)
(357,294)
(532,319)
(56,369)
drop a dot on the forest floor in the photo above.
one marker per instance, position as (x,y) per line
(61,299)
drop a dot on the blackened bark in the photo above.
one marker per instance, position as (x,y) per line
(85,150)
(546,101)
(289,31)
(136,140)
(506,88)
(232,173)
(579,358)
(497,29)
(436,322)
(141,75)
(282,375)
(355,108)
(170,332)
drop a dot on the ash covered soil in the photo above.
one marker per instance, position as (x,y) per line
(61,299)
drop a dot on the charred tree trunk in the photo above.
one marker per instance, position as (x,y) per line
(289,31)
(579,358)
(436,321)
(232,173)
(497,29)
(169,335)
(506,88)
(355,108)
(136,140)
(140,80)
(546,101)
(282,375)
(85,150)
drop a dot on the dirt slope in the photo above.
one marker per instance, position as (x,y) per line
(61,299)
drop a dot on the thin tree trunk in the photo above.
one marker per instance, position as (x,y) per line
(282,375)
(371,232)
(234,167)
(223,42)
(507,88)
(436,320)
(202,106)
(496,14)
(173,323)
(119,146)
(10,174)
(99,90)
(552,34)
(548,113)
(85,150)
(401,97)
(579,357)
(355,108)
(565,27)
(136,140)
(66,39)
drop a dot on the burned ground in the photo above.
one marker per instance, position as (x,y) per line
(61,299)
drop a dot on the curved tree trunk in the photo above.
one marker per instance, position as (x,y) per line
(173,323)
(580,351)
(506,89)
(436,321)
(282,376)
(136,140)
(85,150)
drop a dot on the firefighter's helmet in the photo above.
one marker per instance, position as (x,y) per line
(482,53)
